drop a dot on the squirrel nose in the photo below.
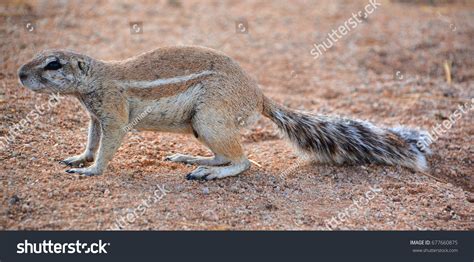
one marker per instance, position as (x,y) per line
(23,76)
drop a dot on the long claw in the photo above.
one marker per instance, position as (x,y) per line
(65,163)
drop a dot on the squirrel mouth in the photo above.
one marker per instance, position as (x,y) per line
(34,86)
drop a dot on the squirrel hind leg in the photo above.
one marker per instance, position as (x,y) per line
(217,172)
(223,139)
(228,151)
(216,160)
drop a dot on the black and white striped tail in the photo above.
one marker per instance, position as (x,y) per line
(342,140)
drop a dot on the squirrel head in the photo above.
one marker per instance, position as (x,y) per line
(56,71)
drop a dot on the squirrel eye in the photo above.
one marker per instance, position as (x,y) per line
(54,65)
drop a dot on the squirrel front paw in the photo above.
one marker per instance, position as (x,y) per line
(90,171)
(77,161)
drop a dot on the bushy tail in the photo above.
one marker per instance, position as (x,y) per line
(341,140)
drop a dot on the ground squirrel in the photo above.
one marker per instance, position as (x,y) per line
(203,92)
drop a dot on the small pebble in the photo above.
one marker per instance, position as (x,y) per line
(210,215)
(13,200)
(470,199)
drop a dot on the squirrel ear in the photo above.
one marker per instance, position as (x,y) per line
(82,66)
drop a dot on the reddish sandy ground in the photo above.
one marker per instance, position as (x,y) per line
(389,69)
